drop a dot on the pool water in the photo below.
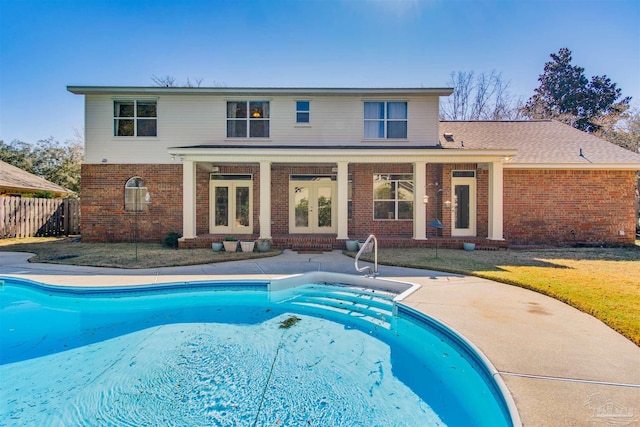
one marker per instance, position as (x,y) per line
(217,355)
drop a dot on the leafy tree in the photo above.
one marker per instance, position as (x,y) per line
(481,97)
(565,94)
(49,159)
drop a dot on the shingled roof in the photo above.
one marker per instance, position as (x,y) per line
(16,180)
(539,142)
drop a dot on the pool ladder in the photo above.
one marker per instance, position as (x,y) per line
(372,272)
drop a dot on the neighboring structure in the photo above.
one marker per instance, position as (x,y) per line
(313,167)
(17,182)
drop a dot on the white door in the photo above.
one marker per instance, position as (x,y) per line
(231,207)
(463,208)
(311,205)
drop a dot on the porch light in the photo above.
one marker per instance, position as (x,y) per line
(447,204)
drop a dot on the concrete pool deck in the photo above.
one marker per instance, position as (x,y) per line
(563,367)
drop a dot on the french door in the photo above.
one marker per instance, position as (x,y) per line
(231,205)
(463,208)
(311,204)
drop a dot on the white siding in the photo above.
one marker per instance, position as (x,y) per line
(188,120)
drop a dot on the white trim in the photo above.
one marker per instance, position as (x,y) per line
(473,207)
(265,200)
(231,228)
(318,155)
(419,206)
(342,208)
(312,227)
(188,199)
(235,91)
(496,202)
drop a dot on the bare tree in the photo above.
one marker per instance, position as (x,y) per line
(170,81)
(197,82)
(166,81)
(485,97)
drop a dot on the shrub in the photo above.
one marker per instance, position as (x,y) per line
(171,240)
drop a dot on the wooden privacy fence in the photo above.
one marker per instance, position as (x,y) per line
(29,217)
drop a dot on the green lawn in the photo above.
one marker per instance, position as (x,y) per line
(604,282)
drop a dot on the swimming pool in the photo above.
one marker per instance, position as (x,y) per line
(235,354)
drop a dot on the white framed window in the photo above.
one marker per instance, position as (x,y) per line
(136,196)
(393,196)
(303,111)
(247,119)
(385,120)
(137,118)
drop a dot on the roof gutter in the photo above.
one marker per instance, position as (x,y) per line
(133,90)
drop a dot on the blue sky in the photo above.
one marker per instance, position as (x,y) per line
(47,45)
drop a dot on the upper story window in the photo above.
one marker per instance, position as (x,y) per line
(393,196)
(135,118)
(248,119)
(385,120)
(302,111)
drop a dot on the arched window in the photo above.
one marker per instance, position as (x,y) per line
(135,194)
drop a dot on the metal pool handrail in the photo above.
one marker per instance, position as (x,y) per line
(374,272)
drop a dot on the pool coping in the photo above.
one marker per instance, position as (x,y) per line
(560,365)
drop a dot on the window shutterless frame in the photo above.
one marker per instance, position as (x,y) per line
(135,118)
(385,119)
(248,119)
(393,197)
(303,111)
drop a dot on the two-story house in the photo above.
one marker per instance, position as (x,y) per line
(313,167)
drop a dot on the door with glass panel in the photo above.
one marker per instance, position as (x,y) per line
(311,204)
(463,206)
(231,205)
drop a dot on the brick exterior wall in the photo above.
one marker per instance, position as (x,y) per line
(544,206)
(102,203)
(540,206)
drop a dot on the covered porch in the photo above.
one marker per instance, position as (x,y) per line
(271,171)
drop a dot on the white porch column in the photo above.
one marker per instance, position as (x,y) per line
(265,200)
(342,211)
(419,208)
(188,199)
(496,201)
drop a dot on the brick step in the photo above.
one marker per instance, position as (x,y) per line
(311,246)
